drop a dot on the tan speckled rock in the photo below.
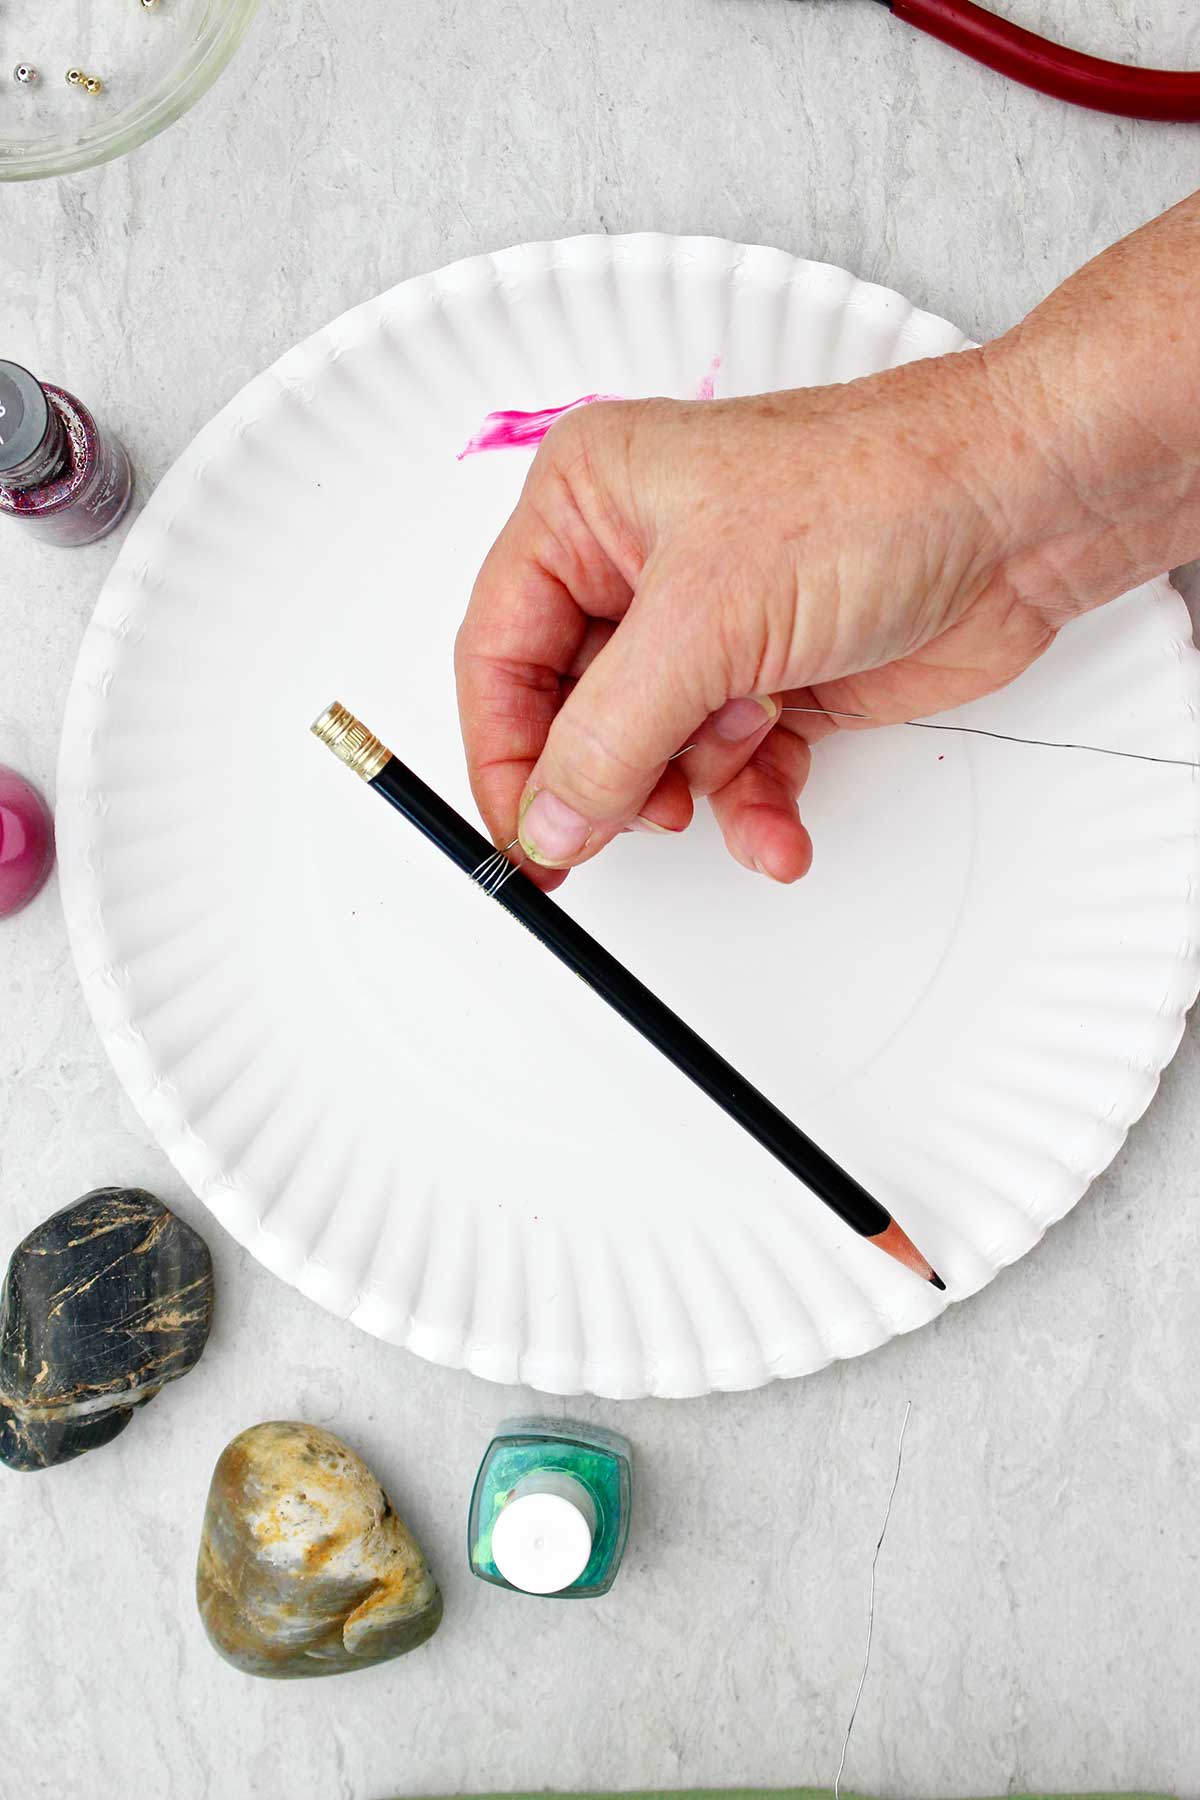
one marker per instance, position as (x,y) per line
(304,1568)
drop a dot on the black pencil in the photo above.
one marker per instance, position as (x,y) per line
(350,740)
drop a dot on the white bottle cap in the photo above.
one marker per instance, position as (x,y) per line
(542,1541)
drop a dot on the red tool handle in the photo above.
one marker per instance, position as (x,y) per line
(1052,68)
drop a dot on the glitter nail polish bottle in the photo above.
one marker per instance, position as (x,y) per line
(550,1510)
(26,842)
(65,479)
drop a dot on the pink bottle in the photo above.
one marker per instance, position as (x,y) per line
(65,479)
(26,842)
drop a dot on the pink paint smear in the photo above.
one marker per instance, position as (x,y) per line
(522,430)
(706,388)
(519,430)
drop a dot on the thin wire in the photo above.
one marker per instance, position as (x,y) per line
(513,869)
(493,866)
(485,868)
(495,870)
(862,1680)
(833,712)
(1004,737)
(497,880)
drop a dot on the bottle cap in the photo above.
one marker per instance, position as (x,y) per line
(542,1540)
(25,419)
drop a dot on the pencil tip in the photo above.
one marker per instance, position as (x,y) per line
(896,1242)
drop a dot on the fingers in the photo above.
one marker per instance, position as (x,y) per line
(506,665)
(721,746)
(609,748)
(726,741)
(757,809)
(810,715)
(668,808)
(596,635)
(541,606)
(576,695)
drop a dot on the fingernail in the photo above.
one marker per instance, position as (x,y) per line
(641,824)
(740,719)
(552,831)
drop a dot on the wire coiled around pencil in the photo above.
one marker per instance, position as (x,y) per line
(496,869)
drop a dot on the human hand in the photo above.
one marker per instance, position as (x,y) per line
(678,574)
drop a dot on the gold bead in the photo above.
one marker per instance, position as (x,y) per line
(94,85)
(76,77)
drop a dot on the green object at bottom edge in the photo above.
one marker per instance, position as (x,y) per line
(774,1794)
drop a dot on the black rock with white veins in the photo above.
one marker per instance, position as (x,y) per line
(103,1303)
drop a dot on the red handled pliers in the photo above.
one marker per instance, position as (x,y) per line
(1052,68)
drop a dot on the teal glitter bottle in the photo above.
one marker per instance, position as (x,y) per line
(550,1511)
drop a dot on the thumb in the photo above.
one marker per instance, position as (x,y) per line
(636,704)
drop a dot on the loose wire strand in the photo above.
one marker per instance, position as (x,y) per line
(862,1680)
(491,874)
(1003,737)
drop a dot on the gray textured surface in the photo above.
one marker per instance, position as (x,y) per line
(1039,1601)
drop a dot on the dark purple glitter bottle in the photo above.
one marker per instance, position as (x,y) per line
(59,474)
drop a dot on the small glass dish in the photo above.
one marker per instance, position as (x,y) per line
(153,62)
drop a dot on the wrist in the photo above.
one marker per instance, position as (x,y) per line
(1108,489)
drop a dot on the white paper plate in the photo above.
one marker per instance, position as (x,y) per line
(391,1094)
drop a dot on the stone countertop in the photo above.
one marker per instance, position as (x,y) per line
(1038,1615)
